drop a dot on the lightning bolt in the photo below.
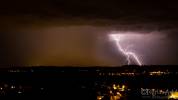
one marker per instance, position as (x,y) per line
(127,53)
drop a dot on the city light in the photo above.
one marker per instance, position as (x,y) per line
(158,73)
(114,87)
(99,97)
(12,87)
(173,95)
(19,92)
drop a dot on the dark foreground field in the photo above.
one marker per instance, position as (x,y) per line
(91,83)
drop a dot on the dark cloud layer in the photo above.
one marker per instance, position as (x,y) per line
(90,8)
(74,32)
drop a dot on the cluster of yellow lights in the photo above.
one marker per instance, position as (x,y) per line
(157,73)
(117,74)
(173,95)
(113,96)
(118,87)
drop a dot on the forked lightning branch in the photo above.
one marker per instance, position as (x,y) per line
(127,53)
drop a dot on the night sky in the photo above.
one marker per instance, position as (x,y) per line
(75,32)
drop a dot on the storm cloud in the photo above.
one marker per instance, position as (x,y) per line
(75,33)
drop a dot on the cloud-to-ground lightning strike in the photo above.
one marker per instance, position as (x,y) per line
(127,53)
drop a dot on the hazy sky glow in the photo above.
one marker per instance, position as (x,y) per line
(87,46)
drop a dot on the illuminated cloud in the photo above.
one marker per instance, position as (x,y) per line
(134,44)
